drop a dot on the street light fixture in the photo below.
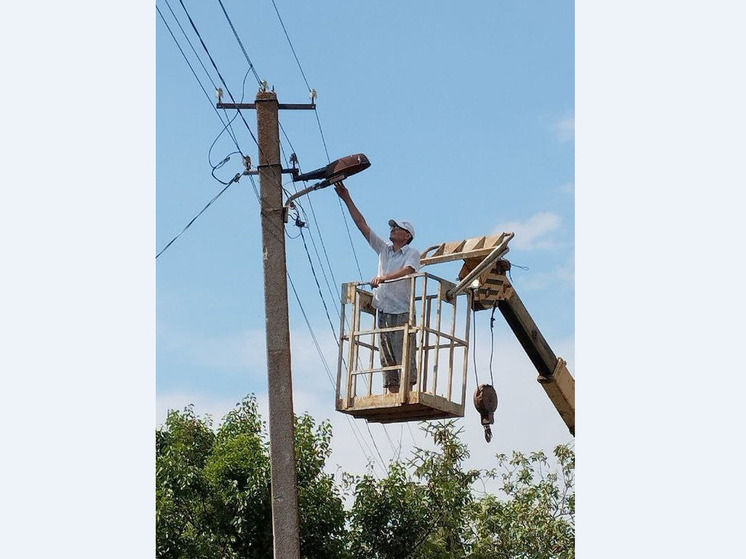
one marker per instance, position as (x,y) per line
(336,171)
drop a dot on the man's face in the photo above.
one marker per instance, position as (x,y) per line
(399,235)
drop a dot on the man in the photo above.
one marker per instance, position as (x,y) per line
(396,259)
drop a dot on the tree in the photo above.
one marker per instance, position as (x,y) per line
(238,473)
(537,520)
(321,510)
(213,497)
(438,516)
(389,516)
(449,489)
(183,495)
(213,491)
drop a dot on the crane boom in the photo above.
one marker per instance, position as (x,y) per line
(495,289)
(554,377)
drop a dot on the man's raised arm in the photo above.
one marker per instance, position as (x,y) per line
(355,214)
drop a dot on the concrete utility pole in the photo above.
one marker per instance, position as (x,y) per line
(285,525)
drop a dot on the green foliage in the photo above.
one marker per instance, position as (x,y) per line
(213,497)
(449,491)
(321,510)
(441,518)
(537,520)
(183,495)
(239,474)
(389,516)
(213,490)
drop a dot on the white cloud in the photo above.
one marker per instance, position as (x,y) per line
(565,129)
(531,234)
(525,419)
(566,272)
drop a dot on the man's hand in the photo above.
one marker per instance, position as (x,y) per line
(357,217)
(342,191)
(405,271)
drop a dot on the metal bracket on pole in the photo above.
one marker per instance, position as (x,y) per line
(286,106)
(317,186)
(292,171)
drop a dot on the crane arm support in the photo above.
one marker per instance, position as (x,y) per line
(483,260)
(560,388)
(554,377)
(528,333)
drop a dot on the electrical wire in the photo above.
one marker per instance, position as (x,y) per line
(188,225)
(317,222)
(316,279)
(349,237)
(332,293)
(358,435)
(492,340)
(219,165)
(323,140)
(391,443)
(323,300)
(209,99)
(252,69)
(474,343)
(355,431)
(235,34)
(291,44)
(227,128)
(372,438)
(176,19)
(212,61)
(321,131)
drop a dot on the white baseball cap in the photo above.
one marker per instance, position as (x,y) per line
(406,225)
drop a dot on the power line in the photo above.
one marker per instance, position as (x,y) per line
(300,67)
(332,293)
(229,129)
(318,121)
(356,432)
(209,99)
(291,44)
(323,140)
(372,438)
(188,225)
(492,341)
(321,131)
(315,277)
(352,424)
(176,19)
(321,295)
(222,80)
(235,34)
(212,61)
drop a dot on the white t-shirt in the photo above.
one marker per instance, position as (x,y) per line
(393,297)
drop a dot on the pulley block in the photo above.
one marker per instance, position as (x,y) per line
(485,400)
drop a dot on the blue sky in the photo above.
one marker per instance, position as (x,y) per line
(87,311)
(467,117)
